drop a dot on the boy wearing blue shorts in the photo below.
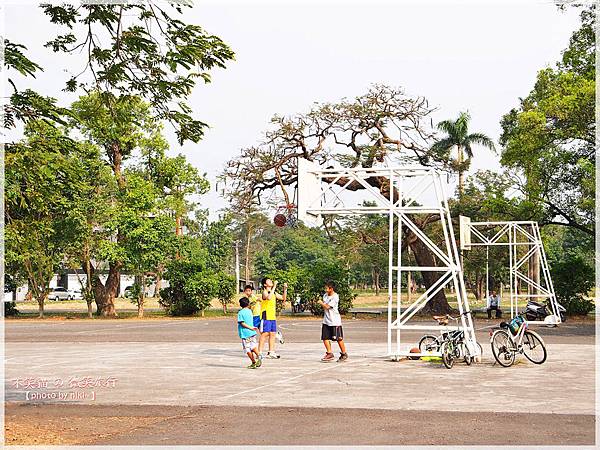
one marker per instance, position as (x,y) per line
(247,333)
(269,315)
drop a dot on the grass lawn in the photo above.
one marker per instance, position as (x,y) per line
(77,309)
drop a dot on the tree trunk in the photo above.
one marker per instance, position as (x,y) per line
(88,281)
(461,175)
(247,268)
(116,161)
(224,308)
(41,299)
(438,304)
(158,285)
(480,291)
(534,274)
(141,296)
(377,274)
(104,294)
(178,227)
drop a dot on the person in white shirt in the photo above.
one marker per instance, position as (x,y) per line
(331,329)
(493,303)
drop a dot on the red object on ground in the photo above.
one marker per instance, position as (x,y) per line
(414,350)
(280,220)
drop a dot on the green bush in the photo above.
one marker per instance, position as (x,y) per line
(314,289)
(191,285)
(573,277)
(10,309)
(225,288)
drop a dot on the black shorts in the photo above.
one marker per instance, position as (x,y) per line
(332,333)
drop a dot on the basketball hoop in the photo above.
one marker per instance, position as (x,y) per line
(285,216)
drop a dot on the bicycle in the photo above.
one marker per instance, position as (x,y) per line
(515,337)
(451,344)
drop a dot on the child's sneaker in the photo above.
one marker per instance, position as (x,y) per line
(279,337)
(273,355)
(328,357)
(343,357)
(251,366)
(258,363)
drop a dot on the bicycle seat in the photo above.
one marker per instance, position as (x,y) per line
(441,320)
(503,325)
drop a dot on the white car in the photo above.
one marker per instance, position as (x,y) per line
(60,293)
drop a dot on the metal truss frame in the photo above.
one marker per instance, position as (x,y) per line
(415,191)
(516,235)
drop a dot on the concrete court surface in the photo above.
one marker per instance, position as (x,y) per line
(205,383)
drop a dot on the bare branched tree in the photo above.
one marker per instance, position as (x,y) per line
(383,124)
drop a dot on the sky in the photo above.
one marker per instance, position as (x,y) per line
(477,56)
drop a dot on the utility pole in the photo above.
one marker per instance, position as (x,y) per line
(237,266)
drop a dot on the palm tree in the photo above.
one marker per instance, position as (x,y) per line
(458,136)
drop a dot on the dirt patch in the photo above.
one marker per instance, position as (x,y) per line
(68,430)
(28,424)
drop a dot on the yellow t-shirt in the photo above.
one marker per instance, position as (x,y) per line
(269,307)
(255,305)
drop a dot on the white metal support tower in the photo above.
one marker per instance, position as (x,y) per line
(413,192)
(524,241)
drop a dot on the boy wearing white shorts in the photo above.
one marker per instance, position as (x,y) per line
(247,333)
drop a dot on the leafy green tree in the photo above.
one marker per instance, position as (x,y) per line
(119,140)
(147,238)
(27,105)
(304,258)
(226,289)
(143,50)
(362,242)
(175,178)
(549,139)
(457,135)
(200,273)
(45,178)
(571,261)
(322,272)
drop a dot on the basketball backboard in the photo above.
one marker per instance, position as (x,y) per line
(309,191)
(465,232)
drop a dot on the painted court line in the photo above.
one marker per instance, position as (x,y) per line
(289,379)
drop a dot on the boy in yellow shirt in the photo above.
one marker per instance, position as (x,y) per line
(254,304)
(269,315)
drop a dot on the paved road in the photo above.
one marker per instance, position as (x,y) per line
(223,330)
(209,425)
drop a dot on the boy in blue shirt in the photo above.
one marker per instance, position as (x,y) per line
(247,333)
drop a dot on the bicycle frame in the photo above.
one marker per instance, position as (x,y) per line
(516,340)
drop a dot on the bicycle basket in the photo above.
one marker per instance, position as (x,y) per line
(515,324)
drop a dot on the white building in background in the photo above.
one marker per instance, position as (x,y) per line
(76,281)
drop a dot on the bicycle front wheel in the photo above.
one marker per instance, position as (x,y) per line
(447,351)
(429,343)
(502,348)
(534,348)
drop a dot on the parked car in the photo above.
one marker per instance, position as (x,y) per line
(60,293)
(129,292)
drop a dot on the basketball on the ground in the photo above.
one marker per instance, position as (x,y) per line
(414,350)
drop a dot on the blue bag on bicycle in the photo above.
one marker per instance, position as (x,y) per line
(515,324)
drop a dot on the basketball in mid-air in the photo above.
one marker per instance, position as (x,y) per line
(280,220)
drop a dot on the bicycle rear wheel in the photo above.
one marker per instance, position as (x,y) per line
(534,348)
(429,343)
(447,351)
(502,348)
